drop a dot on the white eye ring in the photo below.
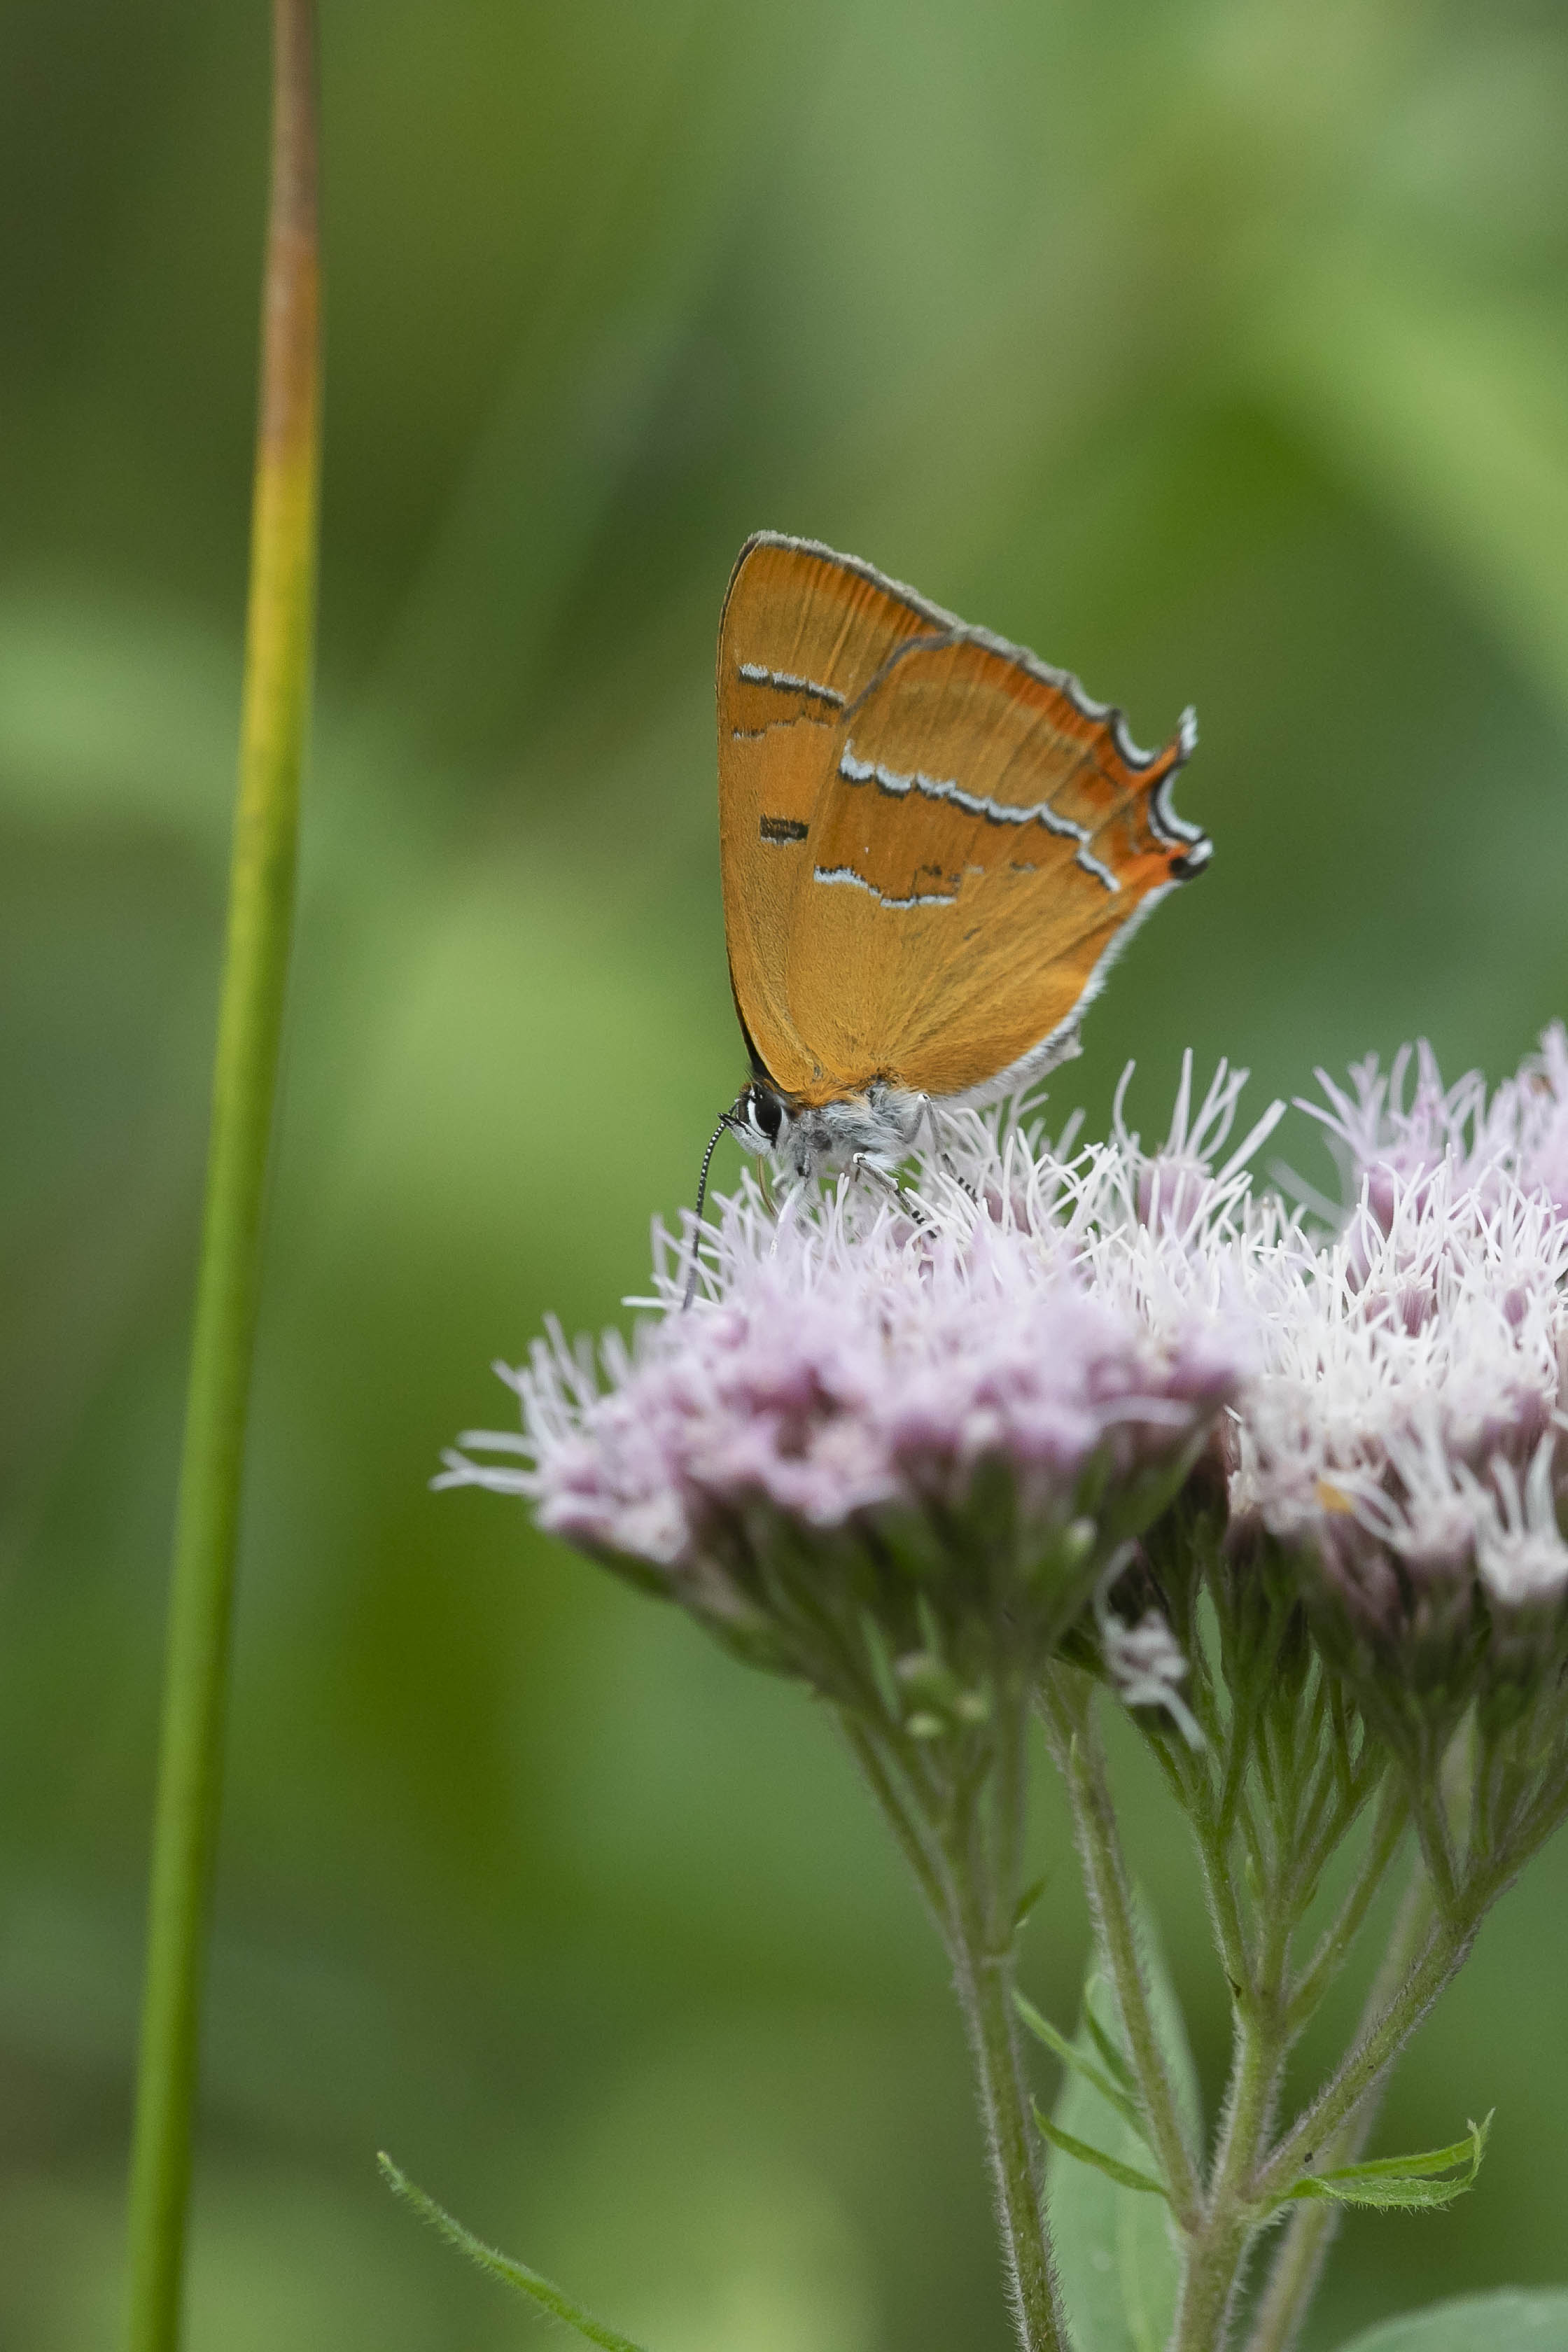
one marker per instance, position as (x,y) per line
(761,1116)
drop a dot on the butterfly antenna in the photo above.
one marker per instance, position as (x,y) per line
(697,1219)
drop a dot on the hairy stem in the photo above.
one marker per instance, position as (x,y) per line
(1067,1701)
(1437,1926)
(279,639)
(909,1830)
(1342,1929)
(1297,2266)
(1225,1912)
(984,1978)
(1216,2252)
(1374,2051)
(1249,2180)
(985,1855)
(961,1831)
(1435,1831)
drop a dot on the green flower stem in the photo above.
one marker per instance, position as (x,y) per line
(1216,2251)
(909,1831)
(1374,2051)
(1224,1913)
(984,1979)
(956,1810)
(280,631)
(984,1873)
(1346,1797)
(1297,2266)
(1217,2246)
(1393,1814)
(1068,1705)
(1435,1831)
(1431,1941)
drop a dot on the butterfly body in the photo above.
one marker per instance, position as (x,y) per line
(879,1126)
(932,844)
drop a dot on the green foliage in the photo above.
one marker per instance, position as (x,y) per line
(1125,2176)
(1508,2321)
(1114,2094)
(1408,2182)
(502,2266)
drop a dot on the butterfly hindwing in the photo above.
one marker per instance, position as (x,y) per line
(980,842)
(930,840)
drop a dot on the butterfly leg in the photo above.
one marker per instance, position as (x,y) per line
(940,1152)
(867,1171)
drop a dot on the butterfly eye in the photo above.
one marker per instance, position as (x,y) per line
(765,1112)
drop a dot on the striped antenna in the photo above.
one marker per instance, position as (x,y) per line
(728,1121)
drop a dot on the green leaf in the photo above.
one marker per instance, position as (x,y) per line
(1385,2196)
(1403,2182)
(882,1672)
(1508,2321)
(1071,2055)
(1028,1900)
(516,2274)
(1117,2252)
(1469,2150)
(1127,2176)
(1108,2049)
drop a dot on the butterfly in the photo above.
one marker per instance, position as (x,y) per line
(932,844)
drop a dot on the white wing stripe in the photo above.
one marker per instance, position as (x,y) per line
(847,874)
(755,674)
(1092,864)
(931,788)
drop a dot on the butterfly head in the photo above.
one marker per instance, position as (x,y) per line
(882,1124)
(760,1117)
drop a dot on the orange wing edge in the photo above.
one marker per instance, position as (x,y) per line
(1166,825)
(1193,850)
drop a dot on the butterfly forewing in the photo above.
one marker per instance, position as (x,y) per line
(930,840)
(804,633)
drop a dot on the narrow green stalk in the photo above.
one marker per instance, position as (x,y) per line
(1338,1937)
(279,633)
(985,1983)
(961,1831)
(1297,2266)
(1435,1831)
(1225,1912)
(1362,2069)
(1217,2252)
(1075,1740)
(912,1836)
(1435,1929)
(1430,1943)
(981,1940)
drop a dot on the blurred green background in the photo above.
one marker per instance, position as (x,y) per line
(1217,349)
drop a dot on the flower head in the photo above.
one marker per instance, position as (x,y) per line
(952,1412)
(940,1414)
(1400,1443)
(1518,1133)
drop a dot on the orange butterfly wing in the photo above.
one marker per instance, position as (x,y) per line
(804,632)
(983,838)
(962,840)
